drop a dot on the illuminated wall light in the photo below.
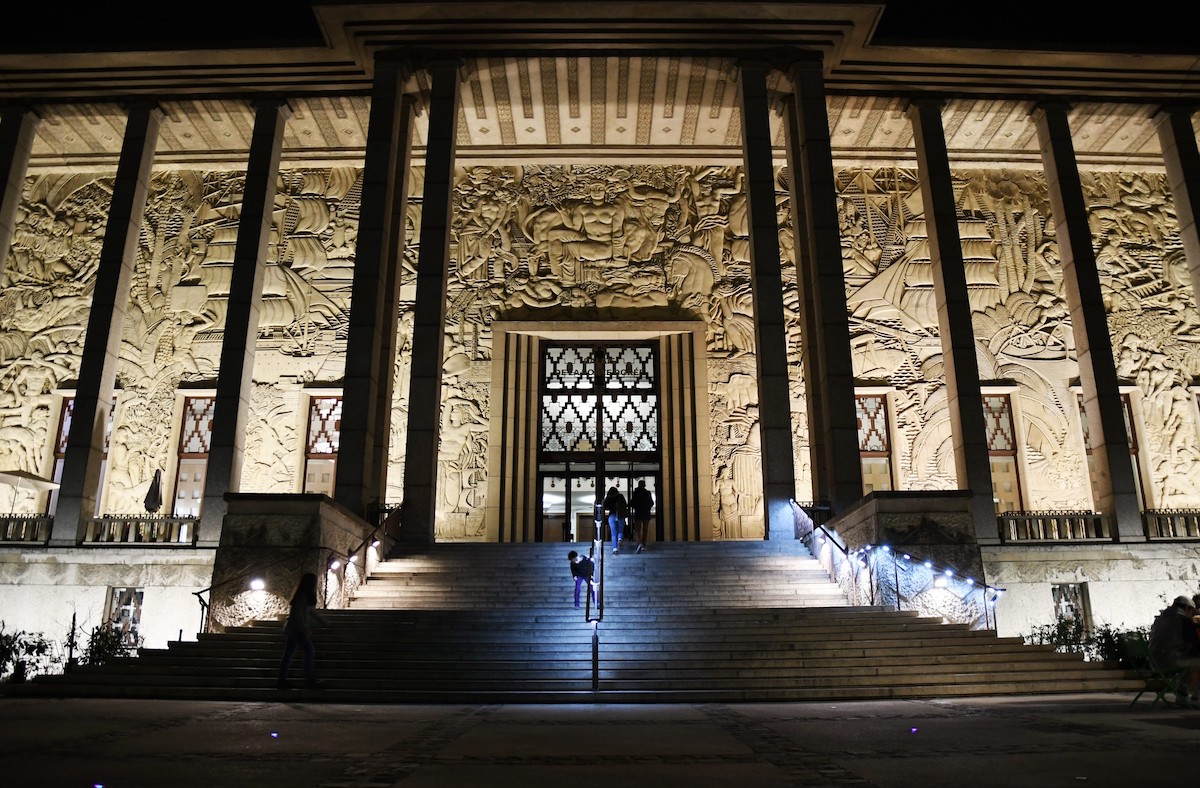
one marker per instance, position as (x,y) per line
(949,573)
(928,565)
(258,584)
(354,559)
(940,581)
(375,543)
(907,557)
(334,565)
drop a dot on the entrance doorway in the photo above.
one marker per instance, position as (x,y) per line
(599,427)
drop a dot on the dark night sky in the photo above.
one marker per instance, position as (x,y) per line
(1150,25)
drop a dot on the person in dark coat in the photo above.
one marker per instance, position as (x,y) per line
(1175,644)
(581,570)
(641,502)
(297,631)
(617,509)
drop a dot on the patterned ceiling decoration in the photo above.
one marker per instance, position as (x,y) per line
(571,109)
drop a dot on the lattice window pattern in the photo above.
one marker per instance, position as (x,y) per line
(195,435)
(997,414)
(1071,603)
(628,368)
(64,427)
(569,368)
(631,423)
(873,436)
(324,426)
(569,423)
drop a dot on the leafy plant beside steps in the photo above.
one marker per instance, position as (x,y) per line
(1070,636)
(27,654)
(20,650)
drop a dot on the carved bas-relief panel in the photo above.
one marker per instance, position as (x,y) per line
(1021,323)
(638,243)
(1153,322)
(1021,326)
(175,319)
(183,273)
(45,299)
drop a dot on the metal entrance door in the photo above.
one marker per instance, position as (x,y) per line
(599,428)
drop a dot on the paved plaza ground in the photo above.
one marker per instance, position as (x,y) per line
(1090,740)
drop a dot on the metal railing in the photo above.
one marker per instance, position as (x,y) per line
(825,546)
(1053,526)
(244,578)
(387,518)
(596,587)
(817,512)
(883,575)
(26,528)
(124,529)
(1172,523)
(346,570)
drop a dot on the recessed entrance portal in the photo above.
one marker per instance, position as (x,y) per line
(599,426)
(584,406)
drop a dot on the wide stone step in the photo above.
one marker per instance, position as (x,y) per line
(691,622)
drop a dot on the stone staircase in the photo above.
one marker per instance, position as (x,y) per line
(728,621)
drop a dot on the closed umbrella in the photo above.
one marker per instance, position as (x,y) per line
(154,499)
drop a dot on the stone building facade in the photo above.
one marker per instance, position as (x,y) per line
(490,262)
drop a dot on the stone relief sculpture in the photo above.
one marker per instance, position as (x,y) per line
(45,299)
(1153,324)
(598,241)
(175,319)
(273,436)
(601,241)
(1022,329)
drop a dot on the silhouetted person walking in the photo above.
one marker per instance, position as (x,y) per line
(641,502)
(297,631)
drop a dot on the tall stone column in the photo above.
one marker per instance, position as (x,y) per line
(371,339)
(1178,139)
(837,468)
(17,130)
(1112,471)
(227,443)
(967,425)
(429,316)
(106,324)
(770,329)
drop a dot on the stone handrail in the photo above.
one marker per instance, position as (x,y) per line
(1053,526)
(1172,523)
(25,528)
(118,529)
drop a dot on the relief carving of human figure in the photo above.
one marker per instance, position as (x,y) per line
(484,234)
(589,230)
